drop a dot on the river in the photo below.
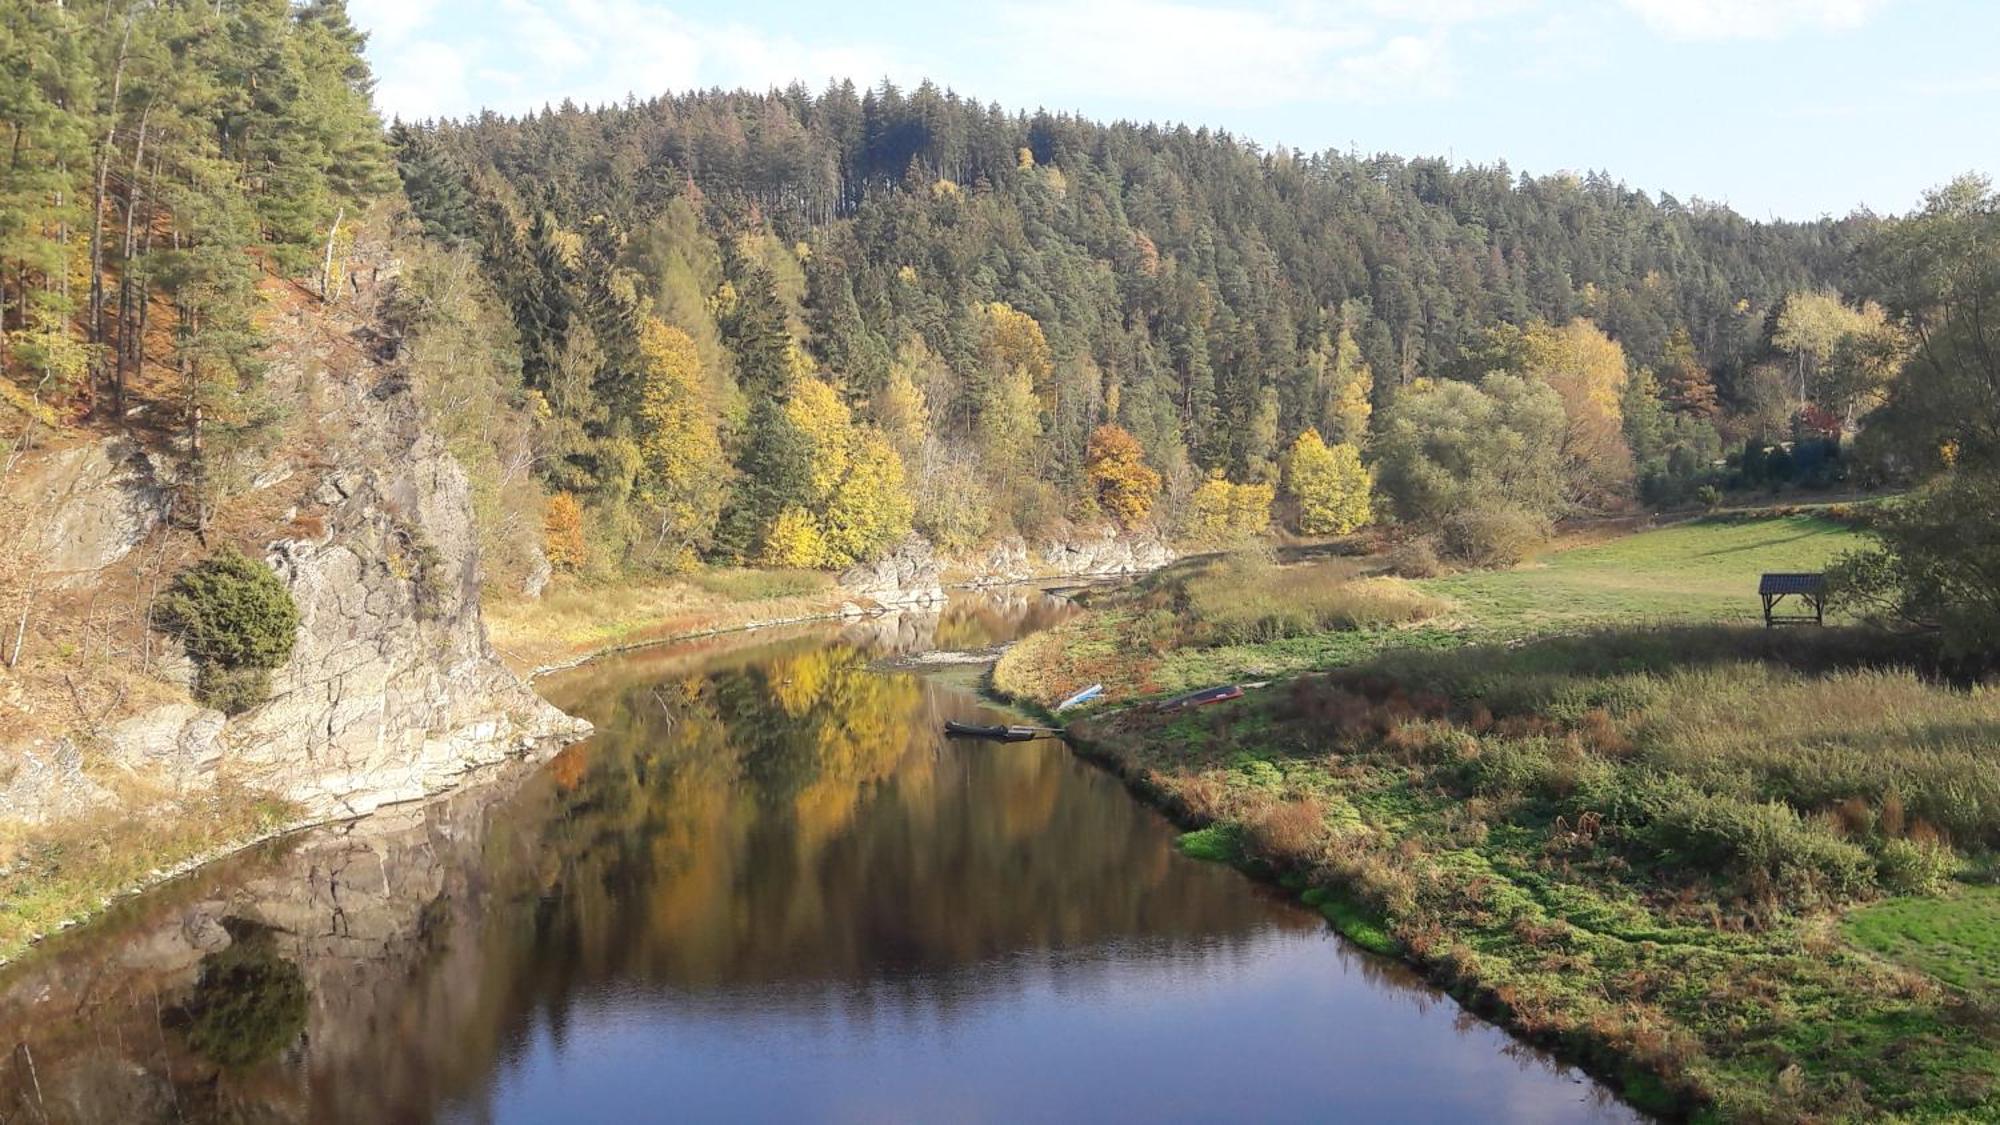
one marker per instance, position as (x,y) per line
(766,889)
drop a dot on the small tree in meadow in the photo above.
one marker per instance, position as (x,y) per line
(1223,514)
(1330,485)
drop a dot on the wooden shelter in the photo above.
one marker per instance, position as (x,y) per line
(1809,589)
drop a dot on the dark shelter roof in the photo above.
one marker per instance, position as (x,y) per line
(1792,584)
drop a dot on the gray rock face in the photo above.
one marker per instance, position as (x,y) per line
(44,781)
(180,740)
(539,575)
(1105,554)
(906,576)
(1089,554)
(1004,562)
(90,505)
(392,691)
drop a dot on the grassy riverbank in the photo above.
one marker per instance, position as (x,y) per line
(572,624)
(58,874)
(1745,873)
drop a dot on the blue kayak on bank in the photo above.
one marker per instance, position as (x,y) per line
(1084,696)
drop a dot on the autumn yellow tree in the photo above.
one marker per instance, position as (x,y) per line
(870,508)
(854,501)
(1329,484)
(793,540)
(901,408)
(1587,370)
(1012,341)
(1009,425)
(1345,386)
(562,532)
(684,471)
(1125,485)
(1222,513)
(1843,356)
(1809,327)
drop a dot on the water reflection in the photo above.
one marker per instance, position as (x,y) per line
(766,888)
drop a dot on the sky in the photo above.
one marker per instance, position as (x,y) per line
(1780,108)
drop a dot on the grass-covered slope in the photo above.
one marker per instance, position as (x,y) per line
(1701,571)
(1746,873)
(1211,620)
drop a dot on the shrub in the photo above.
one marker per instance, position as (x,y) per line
(1762,850)
(231,691)
(1287,833)
(1495,536)
(1247,599)
(1933,567)
(237,622)
(1907,867)
(1416,558)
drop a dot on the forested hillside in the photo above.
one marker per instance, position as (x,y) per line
(160,158)
(787,329)
(979,292)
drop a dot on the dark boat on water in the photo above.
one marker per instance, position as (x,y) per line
(1202,698)
(996,732)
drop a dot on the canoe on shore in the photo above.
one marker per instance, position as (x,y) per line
(996,732)
(1202,698)
(1082,697)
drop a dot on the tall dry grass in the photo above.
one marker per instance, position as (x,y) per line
(1249,599)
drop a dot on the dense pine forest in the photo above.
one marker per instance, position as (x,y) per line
(789,328)
(986,291)
(160,158)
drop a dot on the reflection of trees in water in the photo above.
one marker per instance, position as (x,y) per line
(773,825)
(249,1003)
(733,803)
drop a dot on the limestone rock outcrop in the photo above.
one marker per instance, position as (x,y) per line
(391,691)
(1106,554)
(909,575)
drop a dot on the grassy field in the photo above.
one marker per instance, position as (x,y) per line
(1956,939)
(1744,873)
(1163,635)
(1701,571)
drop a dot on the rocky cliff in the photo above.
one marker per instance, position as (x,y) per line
(913,576)
(1099,553)
(391,691)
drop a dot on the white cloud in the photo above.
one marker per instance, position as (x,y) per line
(1158,50)
(390,22)
(1751,19)
(426,79)
(517,55)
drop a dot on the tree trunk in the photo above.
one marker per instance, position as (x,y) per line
(95,330)
(21,624)
(326,267)
(128,348)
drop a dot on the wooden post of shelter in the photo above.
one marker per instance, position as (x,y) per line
(1809,589)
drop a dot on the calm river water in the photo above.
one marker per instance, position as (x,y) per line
(768,890)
